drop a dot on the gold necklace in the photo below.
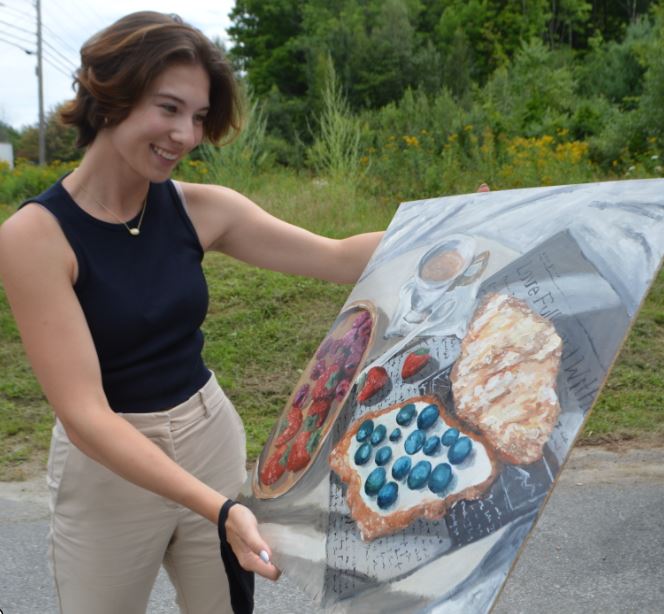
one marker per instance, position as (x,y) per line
(134,232)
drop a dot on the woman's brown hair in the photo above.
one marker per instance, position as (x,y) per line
(119,64)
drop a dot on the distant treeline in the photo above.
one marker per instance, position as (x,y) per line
(425,94)
(381,48)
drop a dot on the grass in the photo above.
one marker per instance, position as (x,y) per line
(631,405)
(263,327)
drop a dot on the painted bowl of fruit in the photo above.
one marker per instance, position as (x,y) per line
(315,402)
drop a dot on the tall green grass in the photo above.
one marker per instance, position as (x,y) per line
(335,152)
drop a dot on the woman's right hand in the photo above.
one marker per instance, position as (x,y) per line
(245,540)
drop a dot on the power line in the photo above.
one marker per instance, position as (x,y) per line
(19,28)
(93,17)
(56,67)
(18,38)
(17,46)
(66,13)
(22,2)
(64,58)
(59,23)
(45,42)
(64,42)
(55,60)
(19,12)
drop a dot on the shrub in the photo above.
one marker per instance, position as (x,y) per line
(28,179)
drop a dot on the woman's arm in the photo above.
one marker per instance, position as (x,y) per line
(37,269)
(229,222)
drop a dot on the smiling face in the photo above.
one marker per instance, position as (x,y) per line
(166,124)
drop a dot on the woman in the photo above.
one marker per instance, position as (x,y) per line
(103,275)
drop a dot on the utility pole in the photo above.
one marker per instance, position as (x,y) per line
(40,79)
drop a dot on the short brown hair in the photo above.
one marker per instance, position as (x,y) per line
(120,63)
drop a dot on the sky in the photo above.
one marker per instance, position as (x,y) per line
(67,24)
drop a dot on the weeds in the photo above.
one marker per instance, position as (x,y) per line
(239,162)
(335,152)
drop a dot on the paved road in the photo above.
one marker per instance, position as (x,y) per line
(599,546)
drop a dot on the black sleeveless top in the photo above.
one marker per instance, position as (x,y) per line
(144,298)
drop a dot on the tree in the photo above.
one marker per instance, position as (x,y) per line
(568,18)
(492,31)
(265,37)
(651,104)
(609,17)
(8,134)
(614,69)
(60,141)
(533,94)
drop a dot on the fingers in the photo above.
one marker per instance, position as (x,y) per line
(483,187)
(267,570)
(247,543)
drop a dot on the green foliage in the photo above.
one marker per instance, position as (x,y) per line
(373,47)
(380,49)
(651,103)
(233,164)
(534,94)
(631,403)
(567,20)
(491,32)
(336,149)
(8,134)
(28,179)
(634,141)
(613,69)
(242,158)
(266,44)
(60,141)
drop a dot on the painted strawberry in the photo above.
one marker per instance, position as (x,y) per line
(327,383)
(415,362)
(294,422)
(318,411)
(273,468)
(376,378)
(299,455)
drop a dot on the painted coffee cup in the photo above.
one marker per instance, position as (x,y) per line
(437,270)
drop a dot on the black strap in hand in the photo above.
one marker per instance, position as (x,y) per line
(240,581)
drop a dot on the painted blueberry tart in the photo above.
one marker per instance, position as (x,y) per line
(409,460)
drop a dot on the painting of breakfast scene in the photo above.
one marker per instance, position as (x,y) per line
(419,445)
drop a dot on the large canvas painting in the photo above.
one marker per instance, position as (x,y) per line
(423,438)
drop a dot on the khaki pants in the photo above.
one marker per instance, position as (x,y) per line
(108,537)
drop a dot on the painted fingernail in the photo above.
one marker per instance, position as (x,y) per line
(265,557)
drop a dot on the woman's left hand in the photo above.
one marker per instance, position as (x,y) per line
(247,544)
